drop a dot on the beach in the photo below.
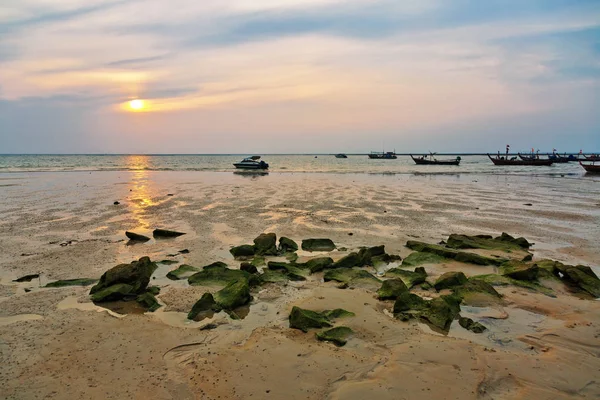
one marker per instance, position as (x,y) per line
(56,343)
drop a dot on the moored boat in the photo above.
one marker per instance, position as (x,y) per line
(389,155)
(501,160)
(593,157)
(341,155)
(251,163)
(591,168)
(431,160)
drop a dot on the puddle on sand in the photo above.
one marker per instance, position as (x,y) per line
(72,303)
(19,318)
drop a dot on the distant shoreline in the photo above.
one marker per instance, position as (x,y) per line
(278,154)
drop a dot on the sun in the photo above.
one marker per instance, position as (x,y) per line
(136,104)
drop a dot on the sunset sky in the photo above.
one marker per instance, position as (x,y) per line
(268,76)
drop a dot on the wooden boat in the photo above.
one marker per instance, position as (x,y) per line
(251,163)
(593,157)
(501,160)
(341,155)
(591,168)
(390,155)
(431,160)
(557,158)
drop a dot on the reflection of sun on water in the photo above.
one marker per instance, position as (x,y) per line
(141,196)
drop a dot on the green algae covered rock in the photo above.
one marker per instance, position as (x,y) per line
(520,271)
(418,258)
(449,280)
(183,272)
(71,282)
(409,278)
(153,289)
(500,280)
(291,271)
(218,274)
(136,275)
(407,301)
(148,301)
(317,264)
(338,335)
(205,304)
(521,241)
(258,261)
(265,244)
(248,267)
(243,251)
(306,319)
(391,289)
(477,292)
(440,312)
(351,276)
(460,256)
(318,245)
(287,245)
(271,276)
(471,325)
(348,261)
(234,295)
(292,257)
(505,242)
(584,278)
(337,313)
(115,292)
(472,258)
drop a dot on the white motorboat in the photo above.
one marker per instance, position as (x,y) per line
(251,163)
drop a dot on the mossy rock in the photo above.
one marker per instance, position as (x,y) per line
(409,278)
(148,301)
(449,280)
(351,276)
(183,272)
(520,271)
(504,243)
(440,312)
(153,290)
(461,256)
(338,335)
(292,272)
(317,264)
(205,304)
(306,319)
(115,292)
(258,261)
(167,262)
(337,313)
(318,245)
(521,241)
(499,280)
(391,289)
(367,254)
(476,292)
(292,257)
(349,261)
(242,252)
(471,325)
(407,301)
(234,295)
(136,274)
(287,245)
(248,267)
(265,244)
(218,274)
(71,282)
(270,276)
(584,278)
(419,258)
(472,258)
(165,233)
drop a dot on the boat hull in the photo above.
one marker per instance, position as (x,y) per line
(383,156)
(590,168)
(420,161)
(249,166)
(536,162)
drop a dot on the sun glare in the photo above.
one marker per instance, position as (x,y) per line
(136,104)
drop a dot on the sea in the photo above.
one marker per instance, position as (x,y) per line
(278,163)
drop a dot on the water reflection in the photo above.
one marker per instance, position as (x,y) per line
(140,188)
(251,174)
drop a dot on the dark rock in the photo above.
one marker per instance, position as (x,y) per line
(407,301)
(293,257)
(164,233)
(270,276)
(453,254)
(116,203)
(148,301)
(306,319)
(167,262)
(71,282)
(440,312)
(205,304)
(153,289)
(293,273)
(500,280)
(318,245)
(258,261)
(471,325)
(217,273)
(471,258)
(351,276)
(114,292)
(136,275)
(248,267)
(521,242)
(348,261)
(287,245)
(391,289)
(584,278)
(519,270)
(367,253)
(449,280)
(184,251)
(419,258)
(265,244)
(472,290)
(27,278)
(337,313)
(504,242)
(242,251)
(318,264)
(183,272)
(527,258)
(409,278)
(234,295)
(338,335)
(136,237)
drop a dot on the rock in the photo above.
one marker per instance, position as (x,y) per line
(265,244)
(248,267)
(461,256)
(519,270)
(409,278)
(184,251)
(234,295)
(351,276)
(318,245)
(337,313)
(584,278)
(521,242)
(318,264)
(499,280)
(164,233)
(287,245)
(472,258)
(306,319)
(293,257)
(527,258)
(407,301)
(242,251)
(293,273)
(338,335)
(440,312)
(367,253)
(449,280)
(270,276)
(205,304)
(217,273)
(183,272)
(114,292)
(478,293)
(136,237)
(419,258)
(153,289)
(71,282)
(136,274)
(116,203)
(148,301)
(471,325)
(348,261)
(391,289)
(258,261)
(504,243)
(167,262)
(27,278)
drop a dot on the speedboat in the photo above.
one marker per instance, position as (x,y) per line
(251,163)
(341,155)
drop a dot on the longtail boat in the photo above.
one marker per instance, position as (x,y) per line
(557,158)
(424,160)
(591,168)
(501,160)
(593,157)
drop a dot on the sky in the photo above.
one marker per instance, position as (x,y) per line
(297,76)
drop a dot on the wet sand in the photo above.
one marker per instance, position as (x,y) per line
(57,344)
